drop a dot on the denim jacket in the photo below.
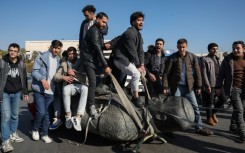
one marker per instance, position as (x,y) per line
(40,70)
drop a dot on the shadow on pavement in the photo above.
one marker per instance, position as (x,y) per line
(201,146)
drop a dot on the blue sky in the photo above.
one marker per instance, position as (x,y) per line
(199,21)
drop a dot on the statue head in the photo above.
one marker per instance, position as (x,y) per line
(171,114)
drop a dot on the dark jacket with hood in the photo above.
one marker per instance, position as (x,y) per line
(12,83)
(92,48)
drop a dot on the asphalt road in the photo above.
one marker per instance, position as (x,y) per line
(71,141)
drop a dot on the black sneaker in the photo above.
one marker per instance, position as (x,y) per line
(233,129)
(242,137)
(204,132)
(169,134)
(137,102)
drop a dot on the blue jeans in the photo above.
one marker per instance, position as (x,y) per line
(10,108)
(43,105)
(58,101)
(238,103)
(183,91)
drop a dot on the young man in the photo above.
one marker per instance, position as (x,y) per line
(43,85)
(90,19)
(89,14)
(72,85)
(93,59)
(154,66)
(210,66)
(181,74)
(231,77)
(13,84)
(128,54)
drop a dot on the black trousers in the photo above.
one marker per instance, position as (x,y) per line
(118,74)
(155,88)
(209,100)
(92,80)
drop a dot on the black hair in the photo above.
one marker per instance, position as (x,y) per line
(64,54)
(89,8)
(100,15)
(71,49)
(211,45)
(15,46)
(150,49)
(160,39)
(238,42)
(135,16)
(56,43)
(182,41)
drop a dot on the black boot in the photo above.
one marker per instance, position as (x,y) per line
(241,133)
(242,137)
(233,129)
(137,102)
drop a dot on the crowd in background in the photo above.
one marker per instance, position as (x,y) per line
(180,74)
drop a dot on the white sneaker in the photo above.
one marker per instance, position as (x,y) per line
(35,135)
(46,139)
(6,146)
(56,123)
(76,123)
(93,112)
(15,138)
(68,122)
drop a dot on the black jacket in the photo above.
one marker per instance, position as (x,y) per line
(226,74)
(129,48)
(151,64)
(92,48)
(4,69)
(84,29)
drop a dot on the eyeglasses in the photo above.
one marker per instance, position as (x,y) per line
(15,51)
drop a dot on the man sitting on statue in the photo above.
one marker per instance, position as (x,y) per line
(73,83)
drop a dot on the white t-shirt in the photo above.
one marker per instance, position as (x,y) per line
(53,67)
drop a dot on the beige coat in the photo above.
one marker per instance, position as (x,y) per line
(62,71)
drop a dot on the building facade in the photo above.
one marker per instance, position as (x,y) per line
(43,45)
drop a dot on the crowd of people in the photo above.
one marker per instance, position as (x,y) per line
(180,74)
